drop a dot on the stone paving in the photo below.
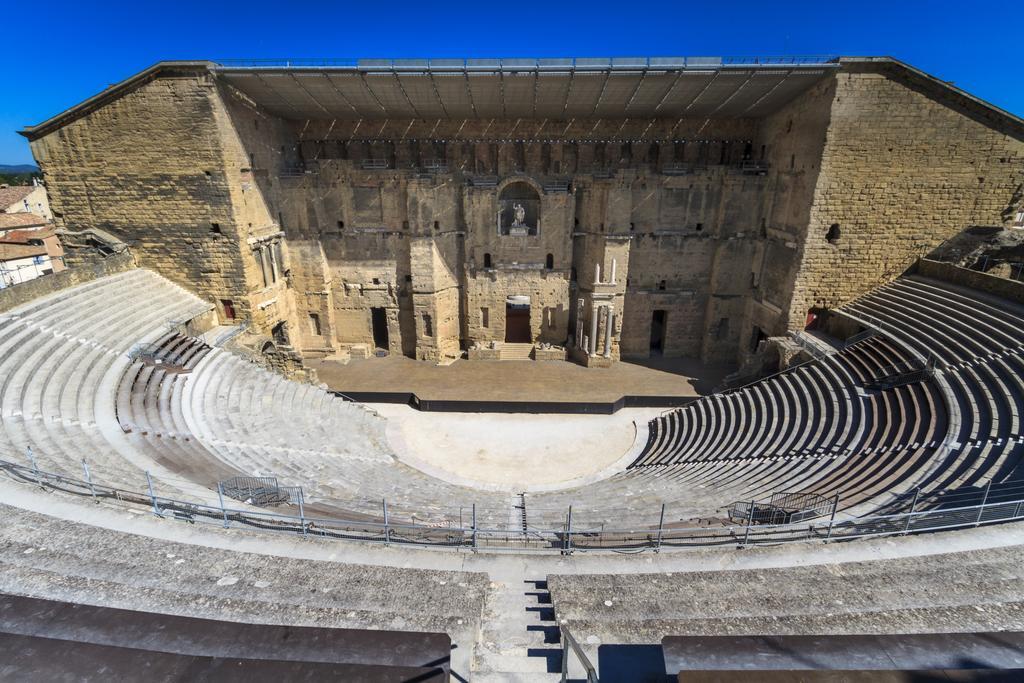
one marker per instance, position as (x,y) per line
(484,380)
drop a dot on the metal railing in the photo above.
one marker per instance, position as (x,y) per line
(569,644)
(986,263)
(531,64)
(565,539)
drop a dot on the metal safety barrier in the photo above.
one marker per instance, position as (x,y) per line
(566,539)
(531,64)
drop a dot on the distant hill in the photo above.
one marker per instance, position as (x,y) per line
(18,174)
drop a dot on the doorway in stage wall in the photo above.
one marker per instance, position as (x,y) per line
(379,318)
(657,333)
(517,323)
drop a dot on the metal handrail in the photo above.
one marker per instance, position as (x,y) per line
(531,63)
(574,647)
(573,537)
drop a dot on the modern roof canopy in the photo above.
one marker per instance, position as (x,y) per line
(526,88)
(554,89)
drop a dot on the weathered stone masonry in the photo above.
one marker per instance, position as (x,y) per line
(694,231)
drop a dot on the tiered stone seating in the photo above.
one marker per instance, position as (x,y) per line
(812,429)
(817,429)
(57,640)
(61,356)
(44,556)
(70,391)
(964,591)
(978,344)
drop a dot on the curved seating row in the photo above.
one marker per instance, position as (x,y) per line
(61,355)
(70,391)
(814,428)
(958,429)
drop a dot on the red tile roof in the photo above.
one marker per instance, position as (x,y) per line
(9,221)
(13,193)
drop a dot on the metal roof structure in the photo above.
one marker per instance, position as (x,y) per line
(668,87)
(551,89)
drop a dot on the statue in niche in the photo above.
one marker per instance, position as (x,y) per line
(518,215)
(518,210)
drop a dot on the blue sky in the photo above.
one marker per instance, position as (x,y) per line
(63,52)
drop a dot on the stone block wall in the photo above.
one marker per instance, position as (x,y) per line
(149,168)
(901,171)
(84,270)
(862,173)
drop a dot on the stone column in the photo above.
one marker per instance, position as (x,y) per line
(593,331)
(612,279)
(609,317)
(579,323)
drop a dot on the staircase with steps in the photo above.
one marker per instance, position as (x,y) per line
(519,640)
(509,351)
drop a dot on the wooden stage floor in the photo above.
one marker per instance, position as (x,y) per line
(554,381)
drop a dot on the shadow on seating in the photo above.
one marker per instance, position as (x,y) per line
(632,663)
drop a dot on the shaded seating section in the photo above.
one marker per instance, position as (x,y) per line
(50,639)
(814,429)
(977,342)
(616,617)
(692,656)
(824,427)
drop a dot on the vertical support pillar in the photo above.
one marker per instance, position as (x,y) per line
(661,527)
(475,546)
(597,273)
(593,330)
(750,521)
(88,479)
(832,519)
(579,323)
(302,511)
(567,548)
(152,495)
(984,501)
(35,467)
(387,528)
(609,317)
(223,510)
(913,505)
(612,278)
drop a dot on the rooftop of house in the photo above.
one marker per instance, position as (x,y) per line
(26,242)
(11,221)
(12,194)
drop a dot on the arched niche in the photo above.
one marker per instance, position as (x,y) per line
(519,208)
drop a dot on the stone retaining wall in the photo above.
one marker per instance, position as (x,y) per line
(975,279)
(12,297)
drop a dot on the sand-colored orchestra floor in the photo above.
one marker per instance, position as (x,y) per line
(516,452)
